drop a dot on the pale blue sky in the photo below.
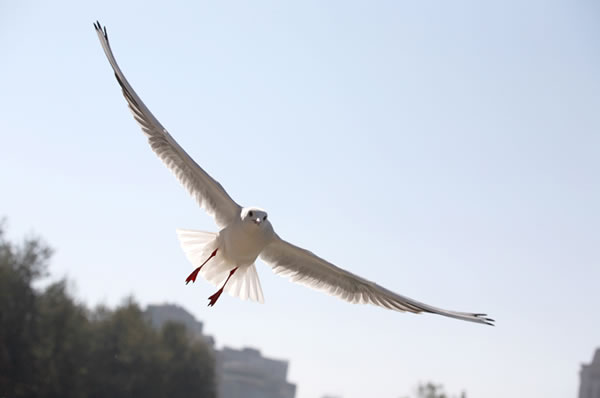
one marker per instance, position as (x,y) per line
(446,149)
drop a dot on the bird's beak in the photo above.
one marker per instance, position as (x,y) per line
(257,221)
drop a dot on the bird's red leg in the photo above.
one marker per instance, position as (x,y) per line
(193,275)
(213,299)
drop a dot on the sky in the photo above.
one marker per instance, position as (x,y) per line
(446,150)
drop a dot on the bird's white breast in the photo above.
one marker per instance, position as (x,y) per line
(241,243)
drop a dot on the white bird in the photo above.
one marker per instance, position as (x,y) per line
(246,232)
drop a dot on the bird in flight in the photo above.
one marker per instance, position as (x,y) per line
(226,258)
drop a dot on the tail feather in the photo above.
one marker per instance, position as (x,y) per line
(195,238)
(246,285)
(198,246)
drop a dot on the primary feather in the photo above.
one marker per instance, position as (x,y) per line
(206,190)
(304,267)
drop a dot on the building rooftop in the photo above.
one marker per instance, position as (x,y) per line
(596,359)
(241,373)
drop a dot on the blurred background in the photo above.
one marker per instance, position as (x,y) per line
(446,150)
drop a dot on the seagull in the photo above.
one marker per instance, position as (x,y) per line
(227,258)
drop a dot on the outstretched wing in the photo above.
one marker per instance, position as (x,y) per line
(206,190)
(308,269)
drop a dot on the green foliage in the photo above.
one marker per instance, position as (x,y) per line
(20,265)
(62,354)
(51,346)
(431,390)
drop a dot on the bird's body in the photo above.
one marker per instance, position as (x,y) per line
(243,240)
(227,258)
(232,253)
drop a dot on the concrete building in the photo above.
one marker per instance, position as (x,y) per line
(240,373)
(158,315)
(589,386)
(247,374)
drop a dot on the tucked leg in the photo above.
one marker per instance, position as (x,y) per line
(193,275)
(213,299)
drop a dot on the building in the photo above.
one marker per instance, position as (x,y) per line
(589,386)
(158,315)
(241,373)
(246,373)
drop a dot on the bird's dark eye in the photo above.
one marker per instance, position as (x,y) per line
(264,218)
(251,214)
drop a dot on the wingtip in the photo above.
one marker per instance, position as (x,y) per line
(100,29)
(483,318)
(487,321)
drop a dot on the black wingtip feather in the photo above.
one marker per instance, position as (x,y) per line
(100,29)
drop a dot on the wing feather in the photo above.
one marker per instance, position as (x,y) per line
(207,191)
(306,268)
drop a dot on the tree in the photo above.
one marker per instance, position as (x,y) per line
(126,353)
(20,266)
(190,363)
(53,347)
(432,390)
(62,354)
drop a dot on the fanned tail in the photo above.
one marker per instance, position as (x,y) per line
(198,246)
(246,285)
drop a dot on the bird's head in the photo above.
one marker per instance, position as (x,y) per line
(254,216)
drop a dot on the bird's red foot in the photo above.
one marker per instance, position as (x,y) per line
(213,299)
(193,275)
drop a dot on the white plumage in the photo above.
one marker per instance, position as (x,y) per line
(228,257)
(198,245)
